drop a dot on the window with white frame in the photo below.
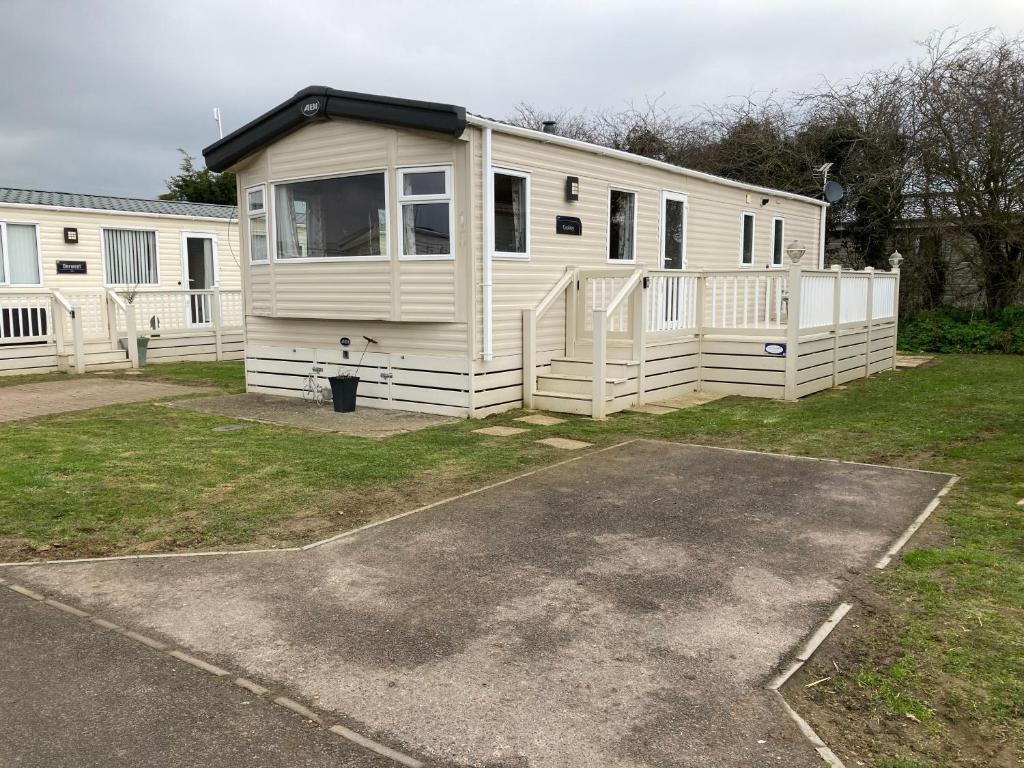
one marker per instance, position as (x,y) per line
(256,209)
(19,254)
(338,218)
(621,225)
(778,237)
(129,257)
(511,214)
(746,239)
(673,231)
(425,203)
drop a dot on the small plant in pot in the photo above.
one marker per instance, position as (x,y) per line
(345,385)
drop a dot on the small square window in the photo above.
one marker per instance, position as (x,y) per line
(425,203)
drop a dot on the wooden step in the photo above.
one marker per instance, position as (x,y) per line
(582,385)
(614,369)
(569,402)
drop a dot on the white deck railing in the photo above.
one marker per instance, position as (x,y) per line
(46,316)
(744,300)
(626,306)
(26,318)
(672,301)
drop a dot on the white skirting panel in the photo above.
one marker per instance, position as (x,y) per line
(387,380)
(198,347)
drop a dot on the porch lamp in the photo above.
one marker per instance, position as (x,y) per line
(895,260)
(795,250)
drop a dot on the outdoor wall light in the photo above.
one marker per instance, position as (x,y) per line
(572,188)
(795,250)
(896,259)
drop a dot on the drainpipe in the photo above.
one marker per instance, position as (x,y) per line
(488,252)
(821,239)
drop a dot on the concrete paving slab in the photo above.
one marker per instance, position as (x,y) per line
(500,431)
(77,696)
(540,420)
(47,398)
(652,409)
(913,361)
(298,413)
(625,609)
(564,444)
(691,399)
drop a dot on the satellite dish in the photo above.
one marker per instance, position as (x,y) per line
(834,192)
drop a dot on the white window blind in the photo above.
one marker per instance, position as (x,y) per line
(19,257)
(130,257)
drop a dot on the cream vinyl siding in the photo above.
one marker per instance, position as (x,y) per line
(89,248)
(429,291)
(713,227)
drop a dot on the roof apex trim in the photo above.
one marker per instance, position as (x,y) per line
(318,102)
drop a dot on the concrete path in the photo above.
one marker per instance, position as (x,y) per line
(74,695)
(46,398)
(626,609)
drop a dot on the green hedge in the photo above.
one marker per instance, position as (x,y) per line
(956,330)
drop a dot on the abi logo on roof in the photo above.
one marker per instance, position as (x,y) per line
(311,108)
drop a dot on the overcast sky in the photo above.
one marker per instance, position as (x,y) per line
(96,96)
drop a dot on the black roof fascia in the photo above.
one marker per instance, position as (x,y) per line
(319,102)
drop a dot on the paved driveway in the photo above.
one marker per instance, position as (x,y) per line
(46,398)
(624,609)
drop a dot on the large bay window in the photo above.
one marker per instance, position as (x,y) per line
(425,202)
(337,218)
(19,255)
(621,225)
(129,257)
(511,214)
(256,209)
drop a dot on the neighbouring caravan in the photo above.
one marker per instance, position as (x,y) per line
(74,267)
(498,267)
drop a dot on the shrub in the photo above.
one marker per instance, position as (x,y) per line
(957,330)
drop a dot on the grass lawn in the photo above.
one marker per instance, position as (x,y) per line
(229,376)
(927,671)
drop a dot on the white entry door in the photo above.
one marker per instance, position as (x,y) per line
(199,270)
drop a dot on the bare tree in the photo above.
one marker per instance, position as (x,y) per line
(970,145)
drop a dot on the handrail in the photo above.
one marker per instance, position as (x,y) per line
(116,298)
(130,328)
(62,300)
(626,289)
(549,298)
(567,282)
(77,336)
(599,331)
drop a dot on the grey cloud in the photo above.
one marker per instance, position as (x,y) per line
(97,96)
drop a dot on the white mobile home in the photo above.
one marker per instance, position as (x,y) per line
(74,267)
(497,266)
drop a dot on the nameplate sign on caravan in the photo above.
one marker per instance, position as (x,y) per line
(71,268)
(568,225)
(778,350)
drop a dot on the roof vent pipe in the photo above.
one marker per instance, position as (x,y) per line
(549,126)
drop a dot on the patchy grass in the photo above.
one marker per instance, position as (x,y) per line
(229,376)
(927,671)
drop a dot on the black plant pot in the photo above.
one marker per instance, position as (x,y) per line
(343,392)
